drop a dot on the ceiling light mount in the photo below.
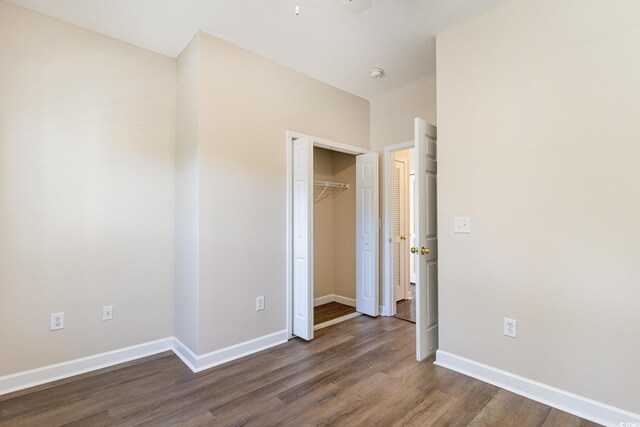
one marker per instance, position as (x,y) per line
(376,73)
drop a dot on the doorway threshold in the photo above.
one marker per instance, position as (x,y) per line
(336,320)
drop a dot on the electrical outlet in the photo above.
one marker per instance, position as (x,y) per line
(510,327)
(462,224)
(107,312)
(260,303)
(57,321)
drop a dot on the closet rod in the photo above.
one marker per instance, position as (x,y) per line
(333,188)
(331,184)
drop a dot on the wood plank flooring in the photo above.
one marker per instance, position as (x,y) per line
(332,310)
(361,372)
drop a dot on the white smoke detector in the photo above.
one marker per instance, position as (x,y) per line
(376,72)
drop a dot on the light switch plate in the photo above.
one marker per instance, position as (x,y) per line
(462,224)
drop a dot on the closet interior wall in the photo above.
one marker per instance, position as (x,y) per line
(334,227)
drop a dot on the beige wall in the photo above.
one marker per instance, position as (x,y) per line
(393,114)
(407,155)
(86,191)
(186,308)
(323,228)
(344,227)
(334,226)
(538,130)
(247,103)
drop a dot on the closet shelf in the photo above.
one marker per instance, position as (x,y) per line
(327,189)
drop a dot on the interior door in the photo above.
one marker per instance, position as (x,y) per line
(303,238)
(412,231)
(367,226)
(425,251)
(399,230)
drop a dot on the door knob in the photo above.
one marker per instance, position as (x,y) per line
(424,250)
(403,237)
(414,250)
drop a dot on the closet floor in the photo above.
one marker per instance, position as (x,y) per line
(333,310)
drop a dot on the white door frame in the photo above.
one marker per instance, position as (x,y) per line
(388,303)
(317,142)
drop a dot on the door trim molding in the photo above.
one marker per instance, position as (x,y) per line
(292,135)
(580,406)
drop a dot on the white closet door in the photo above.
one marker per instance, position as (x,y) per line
(303,238)
(426,248)
(399,231)
(367,226)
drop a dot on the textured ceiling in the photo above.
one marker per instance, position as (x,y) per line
(335,41)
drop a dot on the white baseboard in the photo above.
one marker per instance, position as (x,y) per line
(334,298)
(199,363)
(323,300)
(196,363)
(344,300)
(185,354)
(45,374)
(563,400)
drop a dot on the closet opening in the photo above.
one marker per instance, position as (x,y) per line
(332,233)
(334,237)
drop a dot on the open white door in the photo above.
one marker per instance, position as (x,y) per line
(425,250)
(367,292)
(303,238)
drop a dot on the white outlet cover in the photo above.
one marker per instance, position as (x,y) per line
(107,312)
(260,303)
(462,224)
(510,327)
(56,321)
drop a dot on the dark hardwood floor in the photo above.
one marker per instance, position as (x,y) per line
(332,310)
(359,372)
